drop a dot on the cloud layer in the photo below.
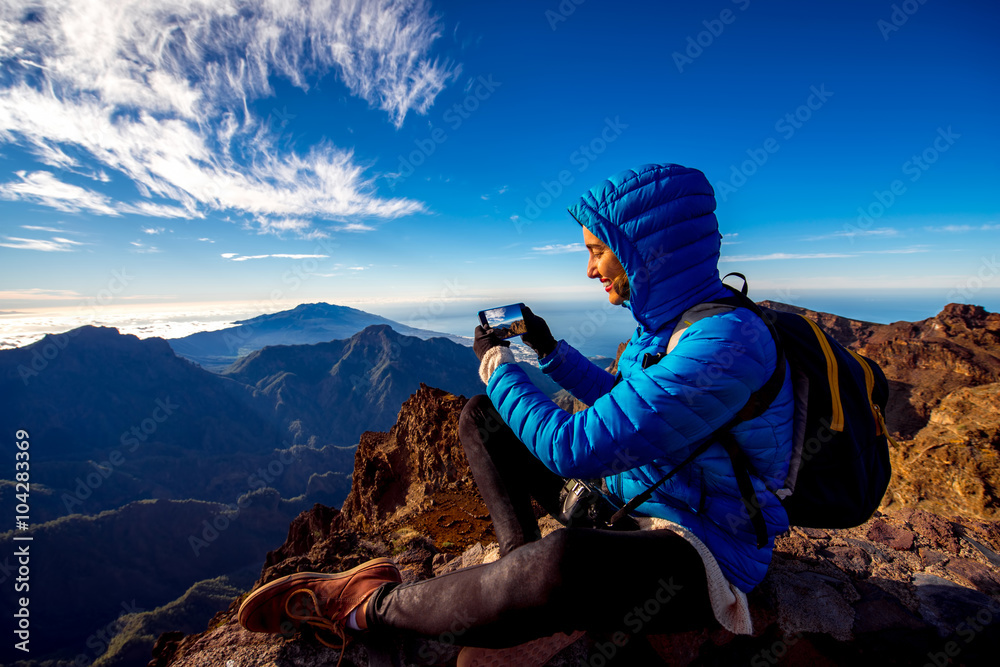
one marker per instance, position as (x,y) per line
(158,92)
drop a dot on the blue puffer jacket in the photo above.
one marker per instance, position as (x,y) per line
(659,220)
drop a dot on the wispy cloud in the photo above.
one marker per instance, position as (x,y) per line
(143,248)
(236,257)
(37,294)
(54,230)
(153,210)
(55,244)
(153,230)
(897,251)
(44,188)
(958,229)
(783,256)
(158,91)
(558,248)
(354,227)
(851,233)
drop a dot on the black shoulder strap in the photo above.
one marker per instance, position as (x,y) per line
(755,406)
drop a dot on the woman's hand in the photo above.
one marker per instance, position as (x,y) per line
(486,339)
(537,335)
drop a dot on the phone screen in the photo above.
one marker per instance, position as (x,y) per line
(506,321)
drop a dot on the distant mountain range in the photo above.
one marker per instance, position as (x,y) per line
(332,392)
(305,324)
(133,449)
(149,473)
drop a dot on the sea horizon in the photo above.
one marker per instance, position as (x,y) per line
(595,328)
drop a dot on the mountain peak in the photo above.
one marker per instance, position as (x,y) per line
(320,309)
(90,337)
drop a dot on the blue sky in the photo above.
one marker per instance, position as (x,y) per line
(180,156)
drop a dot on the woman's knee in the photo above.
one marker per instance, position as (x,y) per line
(479,421)
(559,550)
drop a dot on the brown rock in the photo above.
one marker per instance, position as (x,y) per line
(396,473)
(975,575)
(936,530)
(924,361)
(897,538)
(953,464)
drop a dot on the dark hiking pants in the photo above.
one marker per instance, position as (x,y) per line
(573,579)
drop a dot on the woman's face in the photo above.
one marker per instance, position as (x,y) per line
(603,264)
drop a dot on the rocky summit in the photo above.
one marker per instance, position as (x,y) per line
(918,584)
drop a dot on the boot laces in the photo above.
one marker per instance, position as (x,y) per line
(317,620)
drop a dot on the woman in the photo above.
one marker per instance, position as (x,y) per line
(653,242)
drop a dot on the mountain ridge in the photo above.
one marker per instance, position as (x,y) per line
(305,324)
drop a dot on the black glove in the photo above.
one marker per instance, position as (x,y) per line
(537,335)
(485,340)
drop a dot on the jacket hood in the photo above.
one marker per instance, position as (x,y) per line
(659,220)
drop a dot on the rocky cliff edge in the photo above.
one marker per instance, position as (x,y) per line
(908,587)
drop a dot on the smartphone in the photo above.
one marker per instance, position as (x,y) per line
(506,321)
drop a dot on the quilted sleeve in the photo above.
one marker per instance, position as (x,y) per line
(659,414)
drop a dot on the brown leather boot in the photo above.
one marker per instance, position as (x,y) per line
(323,601)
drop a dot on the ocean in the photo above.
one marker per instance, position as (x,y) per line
(593,325)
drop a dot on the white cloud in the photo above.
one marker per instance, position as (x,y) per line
(53,156)
(236,257)
(56,244)
(54,230)
(44,188)
(152,210)
(206,240)
(37,294)
(956,229)
(782,256)
(153,230)
(143,248)
(897,251)
(851,233)
(559,248)
(354,227)
(159,92)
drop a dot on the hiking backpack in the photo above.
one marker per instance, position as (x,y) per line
(839,468)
